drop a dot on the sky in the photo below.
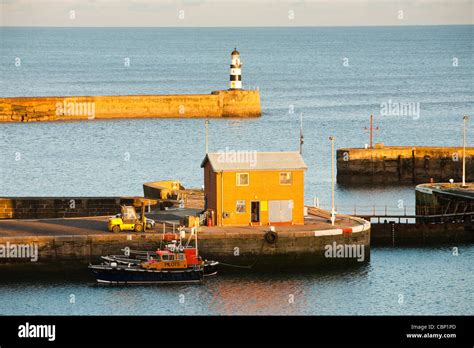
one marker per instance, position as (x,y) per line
(233,13)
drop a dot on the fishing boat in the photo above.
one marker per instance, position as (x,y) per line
(175,263)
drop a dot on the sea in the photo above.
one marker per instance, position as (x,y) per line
(331,78)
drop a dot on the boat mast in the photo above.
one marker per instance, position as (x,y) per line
(196,237)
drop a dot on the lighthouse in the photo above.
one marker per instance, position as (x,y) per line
(235,70)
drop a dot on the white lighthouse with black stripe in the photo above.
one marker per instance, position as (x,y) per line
(235,70)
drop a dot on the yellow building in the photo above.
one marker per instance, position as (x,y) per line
(254,188)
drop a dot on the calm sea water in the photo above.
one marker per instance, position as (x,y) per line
(397,281)
(298,70)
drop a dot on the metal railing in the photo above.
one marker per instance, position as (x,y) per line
(168,226)
(399,214)
(423,219)
(371,210)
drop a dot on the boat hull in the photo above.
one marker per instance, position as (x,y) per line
(128,275)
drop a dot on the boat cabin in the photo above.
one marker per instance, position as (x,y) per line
(166,259)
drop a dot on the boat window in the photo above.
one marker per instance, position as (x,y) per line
(181,257)
(167,257)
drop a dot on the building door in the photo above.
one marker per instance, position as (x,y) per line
(254,211)
(280,211)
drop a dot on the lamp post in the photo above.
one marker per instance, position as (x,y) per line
(301,134)
(207,136)
(465,118)
(333,210)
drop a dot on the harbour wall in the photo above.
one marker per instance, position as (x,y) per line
(230,103)
(419,234)
(63,207)
(241,250)
(402,164)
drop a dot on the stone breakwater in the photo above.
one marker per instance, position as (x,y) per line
(403,164)
(231,103)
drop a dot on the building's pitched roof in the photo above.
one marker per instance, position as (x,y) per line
(248,160)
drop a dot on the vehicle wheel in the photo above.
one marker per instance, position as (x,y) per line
(116,229)
(138,228)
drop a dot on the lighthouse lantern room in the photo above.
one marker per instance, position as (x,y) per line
(235,70)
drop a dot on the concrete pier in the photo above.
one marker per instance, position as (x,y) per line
(230,103)
(402,164)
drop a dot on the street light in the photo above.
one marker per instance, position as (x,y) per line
(465,118)
(207,136)
(333,210)
(301,134)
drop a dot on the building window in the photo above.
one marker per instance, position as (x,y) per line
(242,179)
(240,207)
(286,178)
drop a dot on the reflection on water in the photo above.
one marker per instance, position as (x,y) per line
(293,293)
(262,296)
